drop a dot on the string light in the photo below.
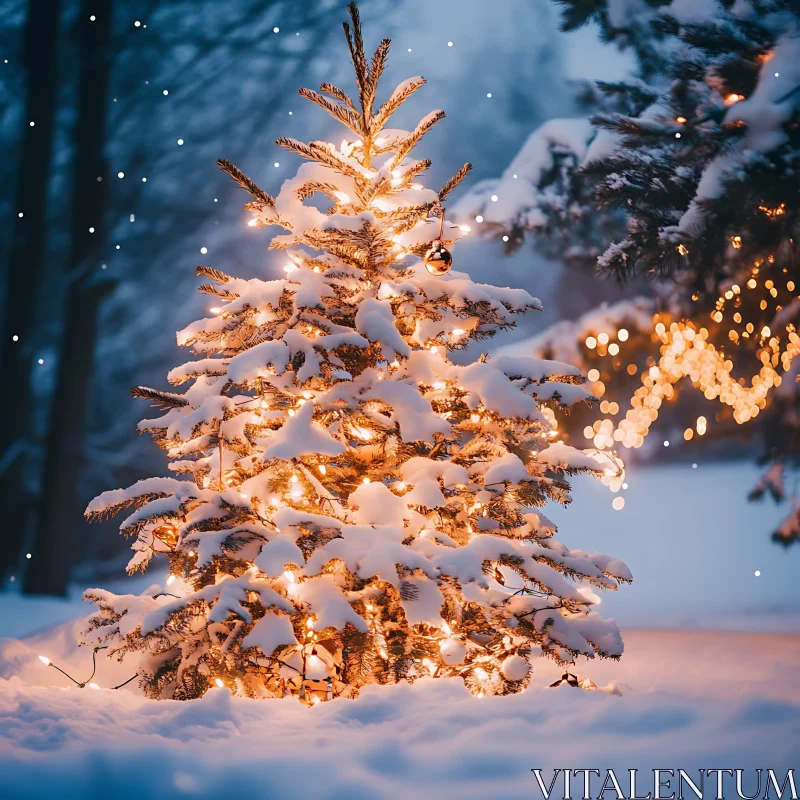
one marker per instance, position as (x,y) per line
(82,684)
(687,352)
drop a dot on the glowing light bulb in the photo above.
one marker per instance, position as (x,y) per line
(322,469)
(479,218)
(252,223)
(45,660)
(289,576)
(591,342)
(622,335)
(219,682)
(170,580)
(366,480)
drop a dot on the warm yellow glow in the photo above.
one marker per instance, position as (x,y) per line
(591,342)
(322,469)
(613,349)
(170,580)
(687,353)
(603,338)
(622,335)
(593,375)
(219,682)
(289,576)
(45,660)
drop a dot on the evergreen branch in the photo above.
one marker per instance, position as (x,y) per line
(454,181)
(245,182)
(355,43)
(396,99)
(408,143)
(375,71)
(415,170)
(343,114)
(338,94)
(217,292)
(163,398)
(307,189)
(212,272)
(317,152)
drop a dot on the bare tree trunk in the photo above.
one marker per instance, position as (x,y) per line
(25,272)
(61,530)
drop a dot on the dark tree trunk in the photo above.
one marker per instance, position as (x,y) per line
(61,531)
(25,273)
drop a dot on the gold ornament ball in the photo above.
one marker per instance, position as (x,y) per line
(438,259)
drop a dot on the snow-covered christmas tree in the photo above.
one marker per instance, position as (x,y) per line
(355,508)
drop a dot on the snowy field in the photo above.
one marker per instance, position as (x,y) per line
(696,700)
(709,678)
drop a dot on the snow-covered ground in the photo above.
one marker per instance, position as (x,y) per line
(696,700)
(712,664)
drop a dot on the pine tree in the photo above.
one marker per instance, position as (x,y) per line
(354,507)
(703,160)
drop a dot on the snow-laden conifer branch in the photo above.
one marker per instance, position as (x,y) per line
(245,182)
